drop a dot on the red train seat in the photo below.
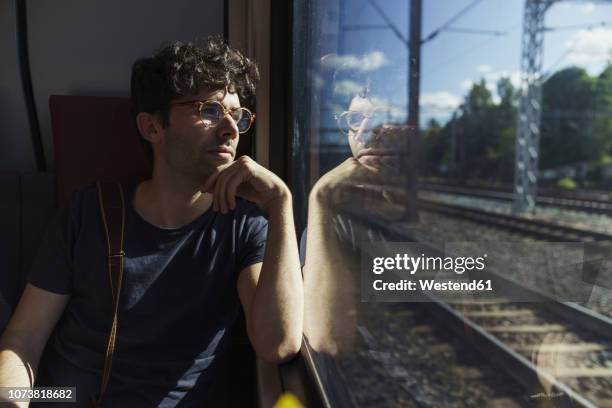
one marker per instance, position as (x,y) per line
(95,138)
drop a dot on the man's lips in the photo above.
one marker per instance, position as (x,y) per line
(222,151)
(375,152)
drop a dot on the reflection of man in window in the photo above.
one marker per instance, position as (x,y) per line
(350,207)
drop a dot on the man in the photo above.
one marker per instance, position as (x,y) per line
(205,233)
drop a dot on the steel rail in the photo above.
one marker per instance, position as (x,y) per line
(547,230)
(567,201)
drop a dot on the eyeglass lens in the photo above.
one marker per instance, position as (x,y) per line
(354,120)
(212,113)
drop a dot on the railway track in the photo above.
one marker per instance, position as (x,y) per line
(560,350)
(569,202)
(556,359)
(542,229)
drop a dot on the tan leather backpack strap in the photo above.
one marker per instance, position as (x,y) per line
(112,212)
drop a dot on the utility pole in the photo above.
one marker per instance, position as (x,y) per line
(411,166)
(452,167)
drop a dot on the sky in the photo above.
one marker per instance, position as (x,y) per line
(580,34)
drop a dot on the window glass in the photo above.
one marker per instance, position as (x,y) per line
(466,145)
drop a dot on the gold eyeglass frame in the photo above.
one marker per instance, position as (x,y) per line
(343,117)
(200,104)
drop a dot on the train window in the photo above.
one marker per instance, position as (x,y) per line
(452,179)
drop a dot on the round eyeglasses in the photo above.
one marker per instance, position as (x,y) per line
(212,112)
(353,120)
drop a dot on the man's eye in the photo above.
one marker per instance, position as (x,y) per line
(210,110)
(355,119)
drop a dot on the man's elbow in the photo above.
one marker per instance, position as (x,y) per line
(281,352)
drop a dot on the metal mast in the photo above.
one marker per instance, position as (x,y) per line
(530,109)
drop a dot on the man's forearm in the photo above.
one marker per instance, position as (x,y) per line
(279,298)
(329,290)
(16,368)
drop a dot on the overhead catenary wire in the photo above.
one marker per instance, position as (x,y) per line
(474,31)
(463,54)
(588,26)
(390,23)
(547,73)
(445,26)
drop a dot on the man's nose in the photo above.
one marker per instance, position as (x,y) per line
(364,133)
(227,128)
(370,136)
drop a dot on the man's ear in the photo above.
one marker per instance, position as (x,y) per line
(149,126)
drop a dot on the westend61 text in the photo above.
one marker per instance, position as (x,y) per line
(430,284)
(404,262)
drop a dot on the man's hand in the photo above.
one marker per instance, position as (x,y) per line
(338,184)
(247,179)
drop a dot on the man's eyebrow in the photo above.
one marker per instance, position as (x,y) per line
(218,97)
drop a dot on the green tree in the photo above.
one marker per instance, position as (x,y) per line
(566,127)
(602,117)
(482,134)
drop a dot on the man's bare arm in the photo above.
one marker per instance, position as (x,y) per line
(329,289)
(271,293)
(330,282)
(26,335)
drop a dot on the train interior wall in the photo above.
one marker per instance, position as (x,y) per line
(75,48)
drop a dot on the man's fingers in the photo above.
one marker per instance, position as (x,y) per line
(232,186)
(209,184)
(210,181)
(220,195)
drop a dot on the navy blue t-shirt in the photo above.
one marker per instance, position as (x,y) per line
(177,300)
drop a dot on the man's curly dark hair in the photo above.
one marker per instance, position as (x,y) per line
(178,69)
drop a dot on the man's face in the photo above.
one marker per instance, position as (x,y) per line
(192,147)
(374,144)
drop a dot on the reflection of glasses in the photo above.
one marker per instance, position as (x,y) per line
(212,112)
(352,120)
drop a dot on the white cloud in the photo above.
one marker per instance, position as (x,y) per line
(394,111)
(440,101)
(492,78)
(368,62)
(467,84)
(588,8)
(591,47)
(515,79)
(483,68)
(347,87)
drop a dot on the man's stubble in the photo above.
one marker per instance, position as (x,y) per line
(191,162)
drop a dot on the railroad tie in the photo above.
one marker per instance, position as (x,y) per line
(499,313)
(587,372)
(559,347)
(526,328)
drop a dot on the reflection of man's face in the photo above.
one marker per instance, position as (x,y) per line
(374,143)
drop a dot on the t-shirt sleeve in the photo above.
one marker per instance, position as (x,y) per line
(52,265)
(255,233)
